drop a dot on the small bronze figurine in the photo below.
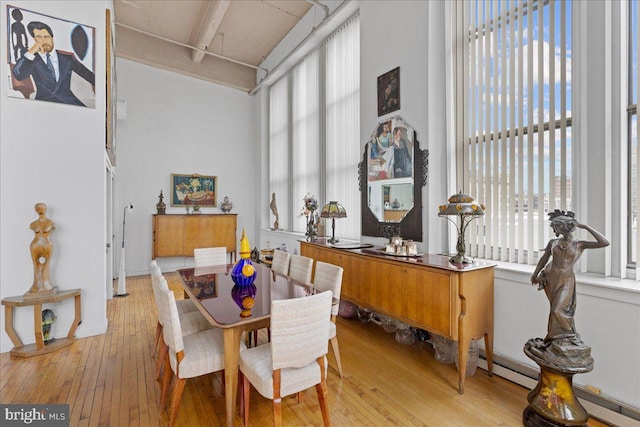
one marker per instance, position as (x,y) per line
(162,207)
(274,210)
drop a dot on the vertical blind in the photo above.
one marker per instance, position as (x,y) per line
(632,131)
(306,133)
(514,134)
(322,111)
(278,144)
(343,125)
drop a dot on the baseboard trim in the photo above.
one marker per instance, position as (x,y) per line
(601,408)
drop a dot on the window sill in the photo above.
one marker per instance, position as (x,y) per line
(597,285)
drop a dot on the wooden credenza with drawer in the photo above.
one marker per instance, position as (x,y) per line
(179,235)
(428,292)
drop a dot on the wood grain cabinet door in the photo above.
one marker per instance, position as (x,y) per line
(429,300)
(168,235)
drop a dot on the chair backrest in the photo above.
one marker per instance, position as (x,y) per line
(300,330)
(210,256)
(156,275)
(300,268)
(168,310)
(280,263)
(328,277)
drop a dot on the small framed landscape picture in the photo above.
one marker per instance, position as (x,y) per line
(194,189)
(389,92)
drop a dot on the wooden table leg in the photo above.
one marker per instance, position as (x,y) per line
(37,325)
(8,327)
(231,361)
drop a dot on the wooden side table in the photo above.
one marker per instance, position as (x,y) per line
(21,350)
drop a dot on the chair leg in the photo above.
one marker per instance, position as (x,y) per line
(156,340)
(176,396)
(277,400)
(246,392)
(166,382)
(161,357)
(321,390)
(336,353)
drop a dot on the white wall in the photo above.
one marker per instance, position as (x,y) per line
(177,124)
(54,153)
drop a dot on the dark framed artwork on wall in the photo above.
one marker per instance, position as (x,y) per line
(389,92)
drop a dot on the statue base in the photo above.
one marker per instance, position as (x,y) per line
(530,418)
(553,401)
(39,294)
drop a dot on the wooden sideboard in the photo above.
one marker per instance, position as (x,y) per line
(179,235)
(428,292)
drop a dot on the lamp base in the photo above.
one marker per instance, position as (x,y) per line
(460,259)
(333,240)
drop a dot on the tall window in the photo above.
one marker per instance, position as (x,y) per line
(514,135)
(279,147)
(306,132)
(343,124)
(319,132)
(632,132)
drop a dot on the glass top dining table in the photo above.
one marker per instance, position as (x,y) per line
(212,287)
(211,290)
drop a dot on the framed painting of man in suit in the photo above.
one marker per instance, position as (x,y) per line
(50,59)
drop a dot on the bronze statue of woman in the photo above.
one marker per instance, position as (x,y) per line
(41,251)
(554,273)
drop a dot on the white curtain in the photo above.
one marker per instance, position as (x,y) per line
(305,117)
(342,129)
(279,148)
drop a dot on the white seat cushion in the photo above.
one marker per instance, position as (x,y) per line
(186,305)
(192,322)
(199,354)
(332,330)
(260,375)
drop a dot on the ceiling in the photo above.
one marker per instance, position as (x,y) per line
(190,36)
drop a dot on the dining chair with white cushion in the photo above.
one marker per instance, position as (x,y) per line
(328,277)
(183,305)
(191,319)
(189,356)
(300,268)
(295,359)
(210,256)
(280,263)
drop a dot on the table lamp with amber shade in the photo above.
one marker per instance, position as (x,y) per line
(463,206)
(333,210)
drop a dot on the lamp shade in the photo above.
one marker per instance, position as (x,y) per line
(333,210)
(461,204)
(465,207)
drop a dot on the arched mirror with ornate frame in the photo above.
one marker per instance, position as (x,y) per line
(392,173)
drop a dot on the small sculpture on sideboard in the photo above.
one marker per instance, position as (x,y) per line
(226,205)
(161,206)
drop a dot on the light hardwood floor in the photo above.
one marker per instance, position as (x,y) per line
(108,380)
